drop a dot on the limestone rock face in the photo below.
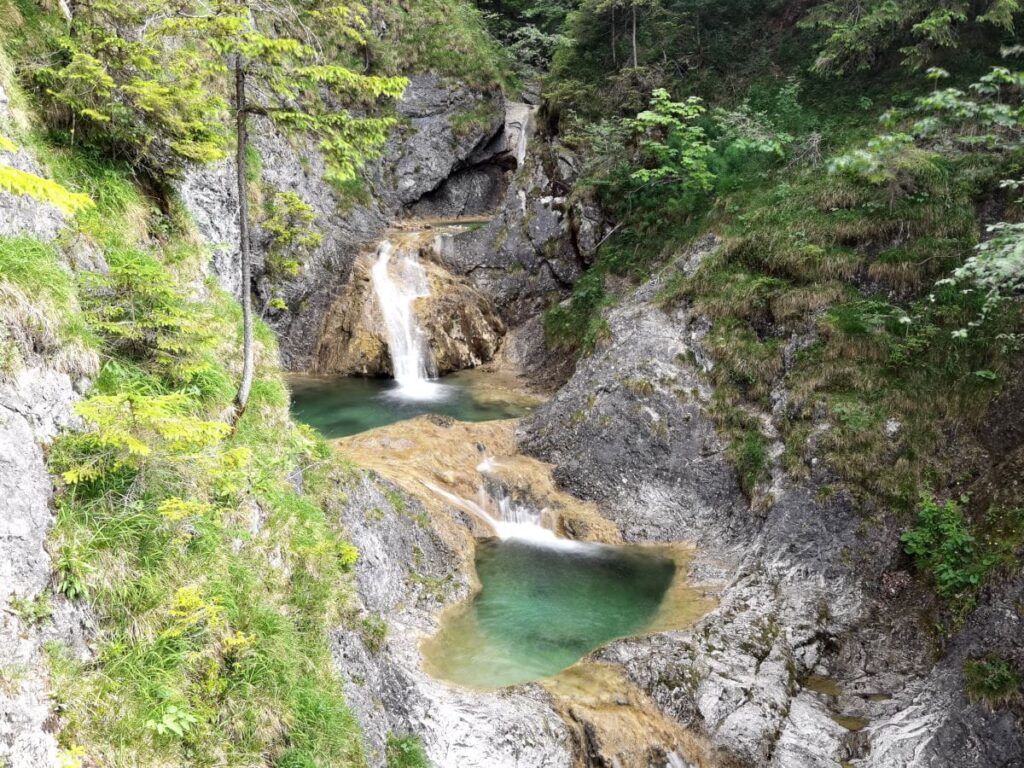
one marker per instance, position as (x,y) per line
(527,253)
(525,351)
(631,430)
(463,327)
(20,214)
(353,340)
(36,401)
(32,408)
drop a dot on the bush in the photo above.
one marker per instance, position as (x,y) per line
(943,546)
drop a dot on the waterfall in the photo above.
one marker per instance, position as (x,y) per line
(398,284)
(521,522)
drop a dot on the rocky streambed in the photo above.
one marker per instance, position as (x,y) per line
(416,527)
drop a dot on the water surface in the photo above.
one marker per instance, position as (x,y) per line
(542,608)
(338,406)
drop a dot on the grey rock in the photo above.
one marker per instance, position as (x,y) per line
(525,350)
(631,426)
(527,253)
(21,214)
(423,152)
(32,408)
(796,570)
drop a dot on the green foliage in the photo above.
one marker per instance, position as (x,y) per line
(33,611)
(942,545)
(140,311)
(126,429)
(579,324)
(33,267)
(480,118)
(172,721)
(44,190)
(673,148)
(989,118)
(213,580)
(406,752)
(996,270)
(860,35)
(992,680)
(290,223)
(286,59)
(40,308)
(122,215)
(135,94)
(530,31)
(447,37)
(142,96)
(750,455)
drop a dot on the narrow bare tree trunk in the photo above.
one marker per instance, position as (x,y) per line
(615,54)
(241,143)
(634,35)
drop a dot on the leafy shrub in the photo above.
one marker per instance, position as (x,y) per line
(942,545)
(292,236)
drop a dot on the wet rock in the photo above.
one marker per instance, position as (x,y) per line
(531,249)
(526,352)
(460,325)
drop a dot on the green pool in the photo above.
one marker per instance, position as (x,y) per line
(542,608)
(338,406)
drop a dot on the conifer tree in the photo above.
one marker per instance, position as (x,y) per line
(276,55)
(124,84)
(137,75)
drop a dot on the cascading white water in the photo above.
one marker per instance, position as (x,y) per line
(398,283)
(522,524)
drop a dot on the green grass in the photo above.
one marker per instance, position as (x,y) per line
(406,752)
(40,307)
(448,38)
(817,253)
(992,680)
(214,582)
(34,268)
(481,116)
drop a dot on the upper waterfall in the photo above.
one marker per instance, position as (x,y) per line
(398,283)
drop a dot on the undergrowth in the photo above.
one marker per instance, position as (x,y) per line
(214,580)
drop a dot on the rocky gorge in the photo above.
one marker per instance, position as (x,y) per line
(791,632)
(795,665)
